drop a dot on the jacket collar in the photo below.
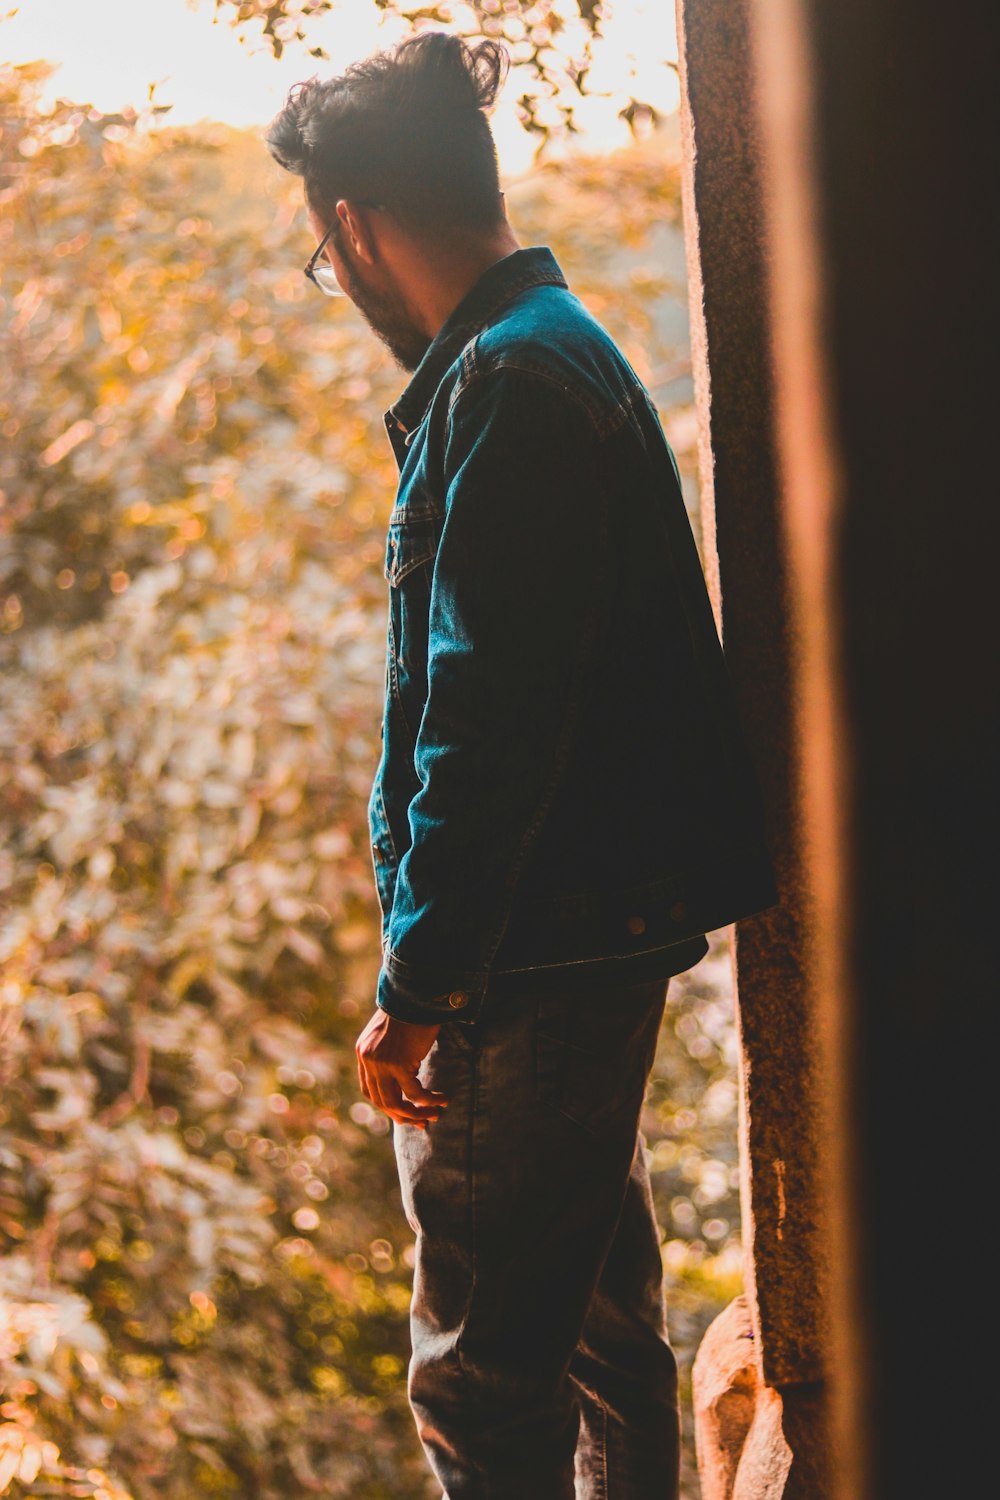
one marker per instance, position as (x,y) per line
(535,266)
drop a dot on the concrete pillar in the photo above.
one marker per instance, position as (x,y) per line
(879,125)
(727,258)
(843,248)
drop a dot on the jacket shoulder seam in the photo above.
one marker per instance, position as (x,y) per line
(472,370)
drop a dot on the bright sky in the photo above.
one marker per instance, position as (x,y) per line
(110,51)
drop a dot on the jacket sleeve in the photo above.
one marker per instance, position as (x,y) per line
(519,588)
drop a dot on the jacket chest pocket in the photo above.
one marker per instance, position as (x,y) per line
(411,546)
(411,542)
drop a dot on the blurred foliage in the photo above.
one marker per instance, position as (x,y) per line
(551,45)
(206,1269)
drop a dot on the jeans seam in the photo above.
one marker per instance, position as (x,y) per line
(604,1449)
(473,1240)
(591,1393)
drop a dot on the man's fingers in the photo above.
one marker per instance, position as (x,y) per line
(414,1090)
(370,1082)
(393,1087)
(390,1099)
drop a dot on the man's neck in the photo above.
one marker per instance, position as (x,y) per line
(438,284)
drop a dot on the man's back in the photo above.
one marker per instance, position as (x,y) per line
(563,779)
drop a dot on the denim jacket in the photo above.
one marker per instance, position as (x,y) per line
(563,788)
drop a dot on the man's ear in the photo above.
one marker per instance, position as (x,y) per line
(357,230)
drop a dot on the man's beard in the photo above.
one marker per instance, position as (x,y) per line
(387,317)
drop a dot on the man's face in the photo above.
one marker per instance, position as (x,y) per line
(377,297)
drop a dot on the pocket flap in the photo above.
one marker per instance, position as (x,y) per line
(411,541)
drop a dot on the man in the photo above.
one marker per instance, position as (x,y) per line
(564,805)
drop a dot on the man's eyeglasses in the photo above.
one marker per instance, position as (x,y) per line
(324,276)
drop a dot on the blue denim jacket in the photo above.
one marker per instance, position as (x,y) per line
(563,788)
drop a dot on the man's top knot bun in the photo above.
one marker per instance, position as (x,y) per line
(445,72)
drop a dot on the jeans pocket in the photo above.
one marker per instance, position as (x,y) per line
(594,1052)
(459,1036)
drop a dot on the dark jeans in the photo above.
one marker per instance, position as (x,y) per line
(540,1367)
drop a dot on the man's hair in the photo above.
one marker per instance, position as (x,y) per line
(405,129)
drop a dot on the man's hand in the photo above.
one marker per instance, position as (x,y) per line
(389,1052)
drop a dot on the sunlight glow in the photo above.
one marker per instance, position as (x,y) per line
(110,52)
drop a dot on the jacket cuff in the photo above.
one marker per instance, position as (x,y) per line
(425,998)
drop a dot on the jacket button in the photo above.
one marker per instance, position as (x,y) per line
(636,925)
(679,911)
(457,999)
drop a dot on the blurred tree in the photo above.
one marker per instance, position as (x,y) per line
(206,1267)
(551,43)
